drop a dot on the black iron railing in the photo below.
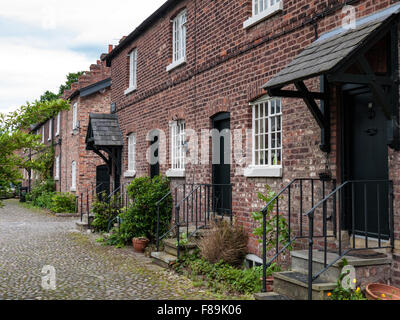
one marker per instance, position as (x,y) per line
(117,201)
(299,193)
(203,204)
(88,192)
(194,205)
(357,199)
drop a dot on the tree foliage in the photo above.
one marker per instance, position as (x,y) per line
(17,145)
(71,78)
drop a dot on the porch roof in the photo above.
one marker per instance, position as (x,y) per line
(333,50)
(104,131)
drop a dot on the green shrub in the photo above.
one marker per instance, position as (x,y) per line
(271,220)
(63,203)
(45,200)
(101,211)
(222,276)
(140,219)
(45,187)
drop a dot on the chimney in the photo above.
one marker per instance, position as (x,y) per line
(110,48)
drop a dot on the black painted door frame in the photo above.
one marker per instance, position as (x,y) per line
(364,156)
(103,178)
(155,167)
(221,173)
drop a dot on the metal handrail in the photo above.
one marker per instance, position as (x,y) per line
(188,196)
(310,215)
(158,203)
(264,212)
(88,191)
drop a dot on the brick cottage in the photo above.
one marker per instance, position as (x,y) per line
(311,100)
(75,169)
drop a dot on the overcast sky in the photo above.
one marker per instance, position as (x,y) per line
(43,40)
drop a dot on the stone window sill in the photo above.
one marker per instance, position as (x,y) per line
(175,173)
(130,174)
(129,90)
(176,64)
(263,15)
(263,172)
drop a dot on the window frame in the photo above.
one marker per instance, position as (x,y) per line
(58,124)
(75,116)
(73,175)
(179,46)
(177,151)
(268,169)
(131,163)
(50,130)
(43,138)
(57,169)
(272,9)
(133,60)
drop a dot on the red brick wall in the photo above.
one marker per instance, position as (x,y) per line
(73,146)
(226,66)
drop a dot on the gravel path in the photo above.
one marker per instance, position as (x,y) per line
(85,270)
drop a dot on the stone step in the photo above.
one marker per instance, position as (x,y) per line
(299,263)
(170,247)
(269,296)
(163,259)
(294,285)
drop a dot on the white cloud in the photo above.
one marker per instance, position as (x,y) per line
(30,71)
(93,21)
(58,37)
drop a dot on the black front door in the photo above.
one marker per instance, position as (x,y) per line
(367,162)
(154,157)
(221,168)
(103,180)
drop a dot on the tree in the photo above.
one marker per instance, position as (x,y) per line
(71,78)
(48,96)
(15,138)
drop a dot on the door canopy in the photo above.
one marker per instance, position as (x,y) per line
(366,56)
(104,136)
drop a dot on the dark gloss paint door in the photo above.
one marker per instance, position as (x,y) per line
(221,153)
(367,159)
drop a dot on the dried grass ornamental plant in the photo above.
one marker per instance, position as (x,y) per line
(224,242)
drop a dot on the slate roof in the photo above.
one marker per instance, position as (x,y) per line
(328,53)
(104,131)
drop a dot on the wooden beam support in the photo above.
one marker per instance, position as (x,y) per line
(379,94)
(278,92)
(311,104)
(359,79)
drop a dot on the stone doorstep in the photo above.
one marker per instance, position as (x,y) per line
(67,215)
(295,286)
(300,279)
(270,296)
(171,248)
(318,256)
(163,259)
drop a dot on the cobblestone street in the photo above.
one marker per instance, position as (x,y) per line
(31,239)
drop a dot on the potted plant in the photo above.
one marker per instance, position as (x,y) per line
(140,244)
(379,291)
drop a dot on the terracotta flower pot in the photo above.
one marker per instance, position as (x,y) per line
(378,291)
(140,244)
